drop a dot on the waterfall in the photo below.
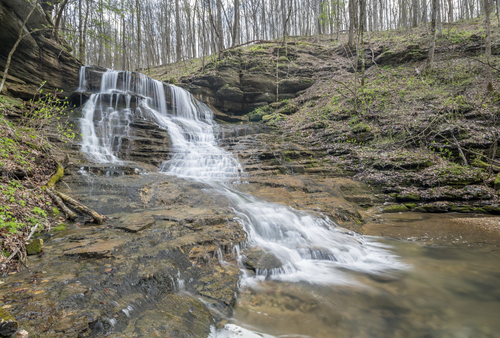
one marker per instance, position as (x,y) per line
(310,247)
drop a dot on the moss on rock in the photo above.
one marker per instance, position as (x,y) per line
(407,197)
(8,325)
(56,177)
(432,208)
(461,208)
(34,247)
(411,205)
(395,208)
(497,182)
(492,209)
(60,227)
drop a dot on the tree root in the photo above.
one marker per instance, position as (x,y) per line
(98,218)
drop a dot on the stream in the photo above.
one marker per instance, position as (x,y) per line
(451,290)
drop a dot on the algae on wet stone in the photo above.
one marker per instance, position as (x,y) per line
(432,208)
(395,208)
(8,324)
(34,247)
(411,197)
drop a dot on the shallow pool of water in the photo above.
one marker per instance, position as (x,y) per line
(451,289)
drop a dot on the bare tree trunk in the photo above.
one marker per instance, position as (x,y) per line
(487,51)
(139,42)
(168,32)
(84,39)
(220,32)
(318,19)
(177,32)
(361,48)
(416,12)
(432,46)
(193,35)
(352,19)
(264,23)
(338,22)
(80,18)
(440,19)
(487,23)
(55,30)
(450,10)
(124,50)
(381,18)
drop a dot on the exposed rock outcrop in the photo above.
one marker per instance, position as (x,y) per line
(38,57)
(248,79)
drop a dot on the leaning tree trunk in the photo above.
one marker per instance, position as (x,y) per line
(20,37)
(55,30)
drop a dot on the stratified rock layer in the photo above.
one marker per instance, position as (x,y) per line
(38,57)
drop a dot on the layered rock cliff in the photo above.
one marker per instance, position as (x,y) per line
(38,57)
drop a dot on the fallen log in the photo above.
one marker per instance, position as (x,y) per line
(99,219)
(67,211)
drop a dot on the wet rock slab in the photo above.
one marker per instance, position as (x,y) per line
(162,265)
(135,222)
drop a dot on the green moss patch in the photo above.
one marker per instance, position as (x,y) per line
(34,247)
(395,208)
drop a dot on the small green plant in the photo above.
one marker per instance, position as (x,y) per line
(47,108)
(8,221)
(55,211)
(39,212)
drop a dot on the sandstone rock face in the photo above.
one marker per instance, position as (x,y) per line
(246,80)
(230,93)
(236,93)
(38,58)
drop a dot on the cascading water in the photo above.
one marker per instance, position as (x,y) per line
(311,248)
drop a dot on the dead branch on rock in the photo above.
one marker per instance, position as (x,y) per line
(60,204)
(98,218)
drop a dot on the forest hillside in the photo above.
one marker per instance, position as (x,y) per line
(426,138)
